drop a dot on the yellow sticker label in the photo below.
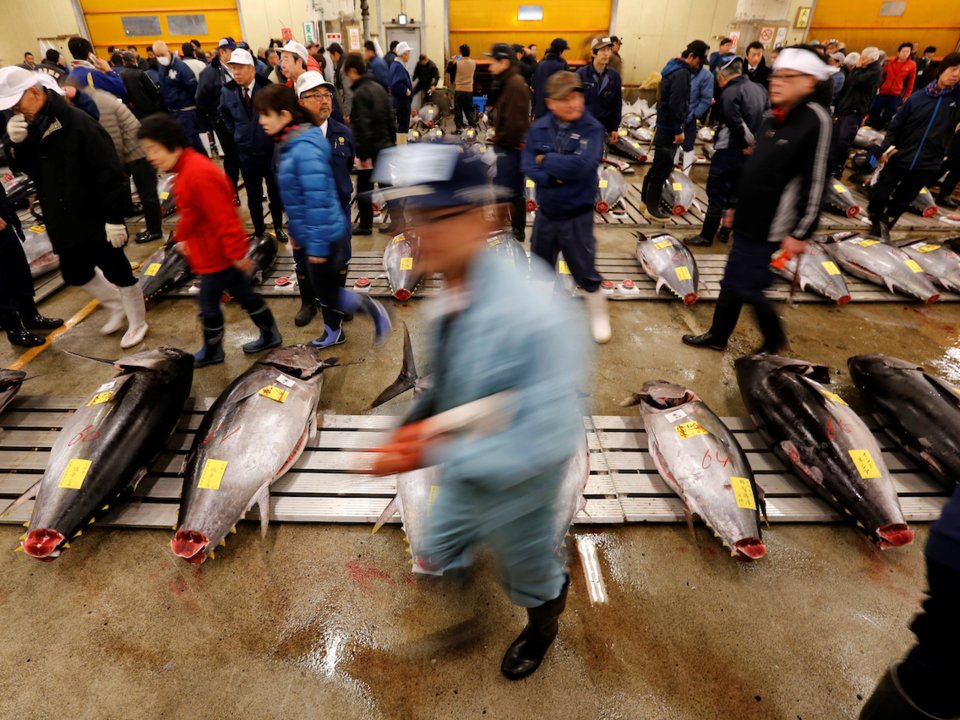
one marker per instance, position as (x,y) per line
(164,195)
(690,429)
(677,187)
(913,265)
(152,269)
(37,228)
(530,183)
(865,464)
(274,393)
(923,191)
(833,396)
(743,492)
(74,474)
(100,398)
(831,267)
(398,239)
(927,248)
(868,243)
(432,498)
(406,263)
(635,144)
(604,183)
(839,188)
(663,245)
(563,268)
(682,273)
(212,474)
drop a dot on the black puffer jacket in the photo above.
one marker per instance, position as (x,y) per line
(372,120)
(143,97)
(859,88)
(923,128)
(74,164)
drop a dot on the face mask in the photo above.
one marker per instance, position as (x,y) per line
(163,60)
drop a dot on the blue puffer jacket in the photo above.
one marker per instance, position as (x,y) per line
(566,179)
(309,191)
(242,122)
(701,94)
(178,85)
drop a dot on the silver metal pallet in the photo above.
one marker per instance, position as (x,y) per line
(624,485)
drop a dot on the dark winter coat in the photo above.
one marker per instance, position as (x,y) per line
(741,111)
(178,85)
(550,64)
(211,82)
(674,96)
(859,89)
(603,95)
(242,121)
(143,97)
(511,114)
(373,122)
(923,128)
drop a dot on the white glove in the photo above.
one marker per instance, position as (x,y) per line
(17,128)
(116,234)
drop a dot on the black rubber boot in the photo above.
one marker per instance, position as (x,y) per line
(774,338)
(269,332)
(654,211)
(17,334)
(879,228)
(308,301)
(644,189)
(212,351)
(711,223)
(947,187)
(725,319)
(890,702)
(33,320)
(724,234)
(344,271)
(526,653)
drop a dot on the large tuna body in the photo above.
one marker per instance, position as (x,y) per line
(814,271)
(868,138)
(254,432)
(923,204)
(10,382)
(611,187)
(678,193)
(108,443)
(263,252)
(401,261)
(669,261)
(630,148)
(168,204)
(817,436)
(940,263)
(838,199)
(702,462)
(884,265)
(164,270)
(919,411)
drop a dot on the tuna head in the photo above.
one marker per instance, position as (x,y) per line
(300,361)
(164,359)
(661,395)
(755,367)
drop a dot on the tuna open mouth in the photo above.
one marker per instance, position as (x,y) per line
(679,209)
(689,298)
(853,211)
(402,294)
(929,212)
(189,545)
(42,543)
(752,548)
(843,300)
(895,535)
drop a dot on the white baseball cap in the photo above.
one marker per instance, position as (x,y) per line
(402,48)
(804,61)
(297,49)
(241,57)
(15,81)
(310,80)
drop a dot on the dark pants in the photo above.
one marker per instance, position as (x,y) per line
(16,283)
(77,263)
(231,156)
(510,177)
(190,123)
(573,236)
(463,105)
(364,203)
(844,133)
(257,169)
(689,135)
(402,108)
(231,280)
(897,187)
(145,178)
(663,159)
(883,109)
(745,278)
(929,673)
(724,174)
(327,279)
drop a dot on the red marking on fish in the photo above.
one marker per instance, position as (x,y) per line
(364,575)
(88,433)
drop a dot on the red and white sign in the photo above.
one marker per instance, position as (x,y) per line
(333,38)
(766,36)
(735,36)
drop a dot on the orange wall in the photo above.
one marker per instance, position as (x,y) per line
(859,24)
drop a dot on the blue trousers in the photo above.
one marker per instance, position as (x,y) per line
(190,123)
(510,177)
(231,280)
(573,236)
(748,272)
(257,170)
(883,109)
(689,134)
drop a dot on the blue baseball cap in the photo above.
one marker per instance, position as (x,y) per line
(228,42)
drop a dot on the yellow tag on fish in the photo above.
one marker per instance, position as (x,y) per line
(37,228)
(164,195)
(663,245)
(604,183)
(398,239)
(635,144)
(923,191)
(867,243)
(690,429)
(677,187)
(865,464)
(743,492)
(832,396)
(530,183)
(212,474)
(913,265)
(152,269)
(563,268)
(927,248)
(839,188)
(74,474)
(100,398)
(274,393)
(831,267)
(683,273)
(406,263)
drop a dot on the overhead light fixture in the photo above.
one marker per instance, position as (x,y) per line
(402,19)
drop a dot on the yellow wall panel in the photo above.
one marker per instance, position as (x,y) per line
(859,24)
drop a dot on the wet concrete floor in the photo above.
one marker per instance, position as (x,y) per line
(327,621)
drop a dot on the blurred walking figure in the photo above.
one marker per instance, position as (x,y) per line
(461,70)
(500,488)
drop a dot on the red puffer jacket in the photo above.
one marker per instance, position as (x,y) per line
(897,76)
(209,228)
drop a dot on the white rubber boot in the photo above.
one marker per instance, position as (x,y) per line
(689,156)
(136,312)
(106,293)
(599,317)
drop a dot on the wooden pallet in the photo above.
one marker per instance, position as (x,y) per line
(624,485)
